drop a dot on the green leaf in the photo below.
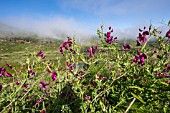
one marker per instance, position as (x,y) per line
(150,27)
(152,90)
(138,97)
(164,83)
(169,23)
(136,87)
(102,106)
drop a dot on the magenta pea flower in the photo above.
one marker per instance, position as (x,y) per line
(9,66)
(145,33)
(17,83)
(2,71)
(138,43)
(8,74)
(54,76)
(0,87)
(70,67)
(141,38)
(43,85)
(126,47)
(87,97)
(168,34)
(66,45)
(135,59)
(110,27)
(109,40)
(92,51)
(60,49)
(31,72)
(140,59)
(48,70)
(26,86)
(43,111)
(72,51)
(41,54)
(39,101)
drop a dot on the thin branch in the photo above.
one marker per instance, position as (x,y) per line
(130,105)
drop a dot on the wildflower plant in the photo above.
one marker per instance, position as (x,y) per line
(110,77)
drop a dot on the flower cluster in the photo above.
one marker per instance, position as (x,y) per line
(126,47)
(43,85)
(142,36)
(70,66)
(92,51)
(140,59)
(3,72)
(31,72)
(67,46)
(41,54)
(54,76)
(79,73)
(109,38)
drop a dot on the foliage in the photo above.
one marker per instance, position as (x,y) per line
(107,78)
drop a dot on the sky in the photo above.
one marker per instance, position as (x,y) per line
(84,17)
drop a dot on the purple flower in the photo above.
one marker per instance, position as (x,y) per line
(47,93)
(48,70)
(26,86)
(9,66)
(135,59)
(72,51)
(145,33)
(67,46)
(60,49)
(110,28)
(92,83)
(92,51)
(39,101)
(138,43)
(54,76)
(126,47)
(8,74)
(141,38)
(2,71)
(43,111)
(31,72)
(108,34)
(168,34)
(109,39)
(87,97)
(17,83)
(142,55)
(41,54)
(0,87)
(43,85)
(166,75)
(140,59)
(70,67)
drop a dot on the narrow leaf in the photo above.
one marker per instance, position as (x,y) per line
(139,98)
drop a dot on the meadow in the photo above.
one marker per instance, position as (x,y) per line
(112,76)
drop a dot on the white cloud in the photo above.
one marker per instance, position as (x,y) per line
(53,26)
